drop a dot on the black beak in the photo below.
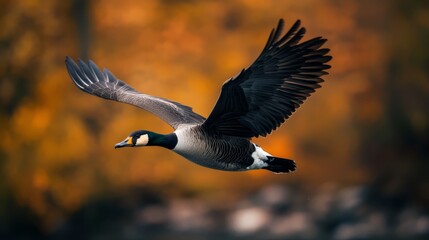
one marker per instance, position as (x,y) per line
(125,143)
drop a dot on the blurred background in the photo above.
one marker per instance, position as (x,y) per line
(361,142)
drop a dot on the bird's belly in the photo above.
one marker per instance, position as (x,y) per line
(226,164)
(214,160)
(200,160)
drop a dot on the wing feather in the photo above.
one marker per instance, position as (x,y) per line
(263,96)
(89,78)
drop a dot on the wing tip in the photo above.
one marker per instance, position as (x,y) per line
(74,71)
(291,37)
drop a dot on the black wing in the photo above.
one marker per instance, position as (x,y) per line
(263,96)
(104,84)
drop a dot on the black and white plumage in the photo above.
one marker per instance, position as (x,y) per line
(252,104)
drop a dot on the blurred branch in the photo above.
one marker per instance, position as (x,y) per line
(80,11)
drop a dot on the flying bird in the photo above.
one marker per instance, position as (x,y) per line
(253,103)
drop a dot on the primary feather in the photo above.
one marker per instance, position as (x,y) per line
(265,94)
(90,79)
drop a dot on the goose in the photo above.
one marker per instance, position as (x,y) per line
(253,103)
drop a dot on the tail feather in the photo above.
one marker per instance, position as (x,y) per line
(280,165)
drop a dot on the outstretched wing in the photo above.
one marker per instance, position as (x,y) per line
(90,79)
(263,96)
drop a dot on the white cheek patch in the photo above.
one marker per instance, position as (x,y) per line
(142,140)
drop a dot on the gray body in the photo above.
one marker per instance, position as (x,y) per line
(214,151)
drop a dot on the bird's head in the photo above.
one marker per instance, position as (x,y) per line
(136,139)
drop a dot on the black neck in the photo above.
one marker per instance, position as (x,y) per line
(168,141)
